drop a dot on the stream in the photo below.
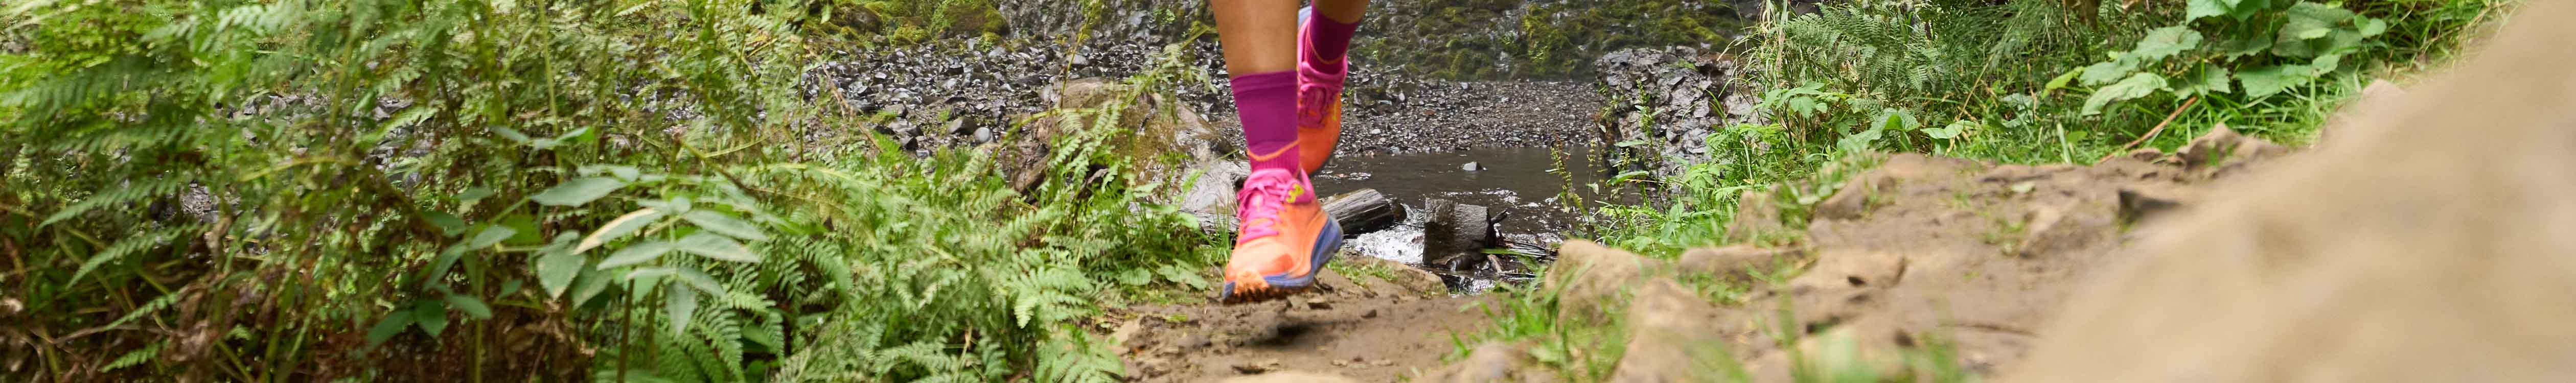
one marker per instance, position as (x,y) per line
(1522,184)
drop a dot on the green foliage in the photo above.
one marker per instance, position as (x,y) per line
(621,189)
(2269,46)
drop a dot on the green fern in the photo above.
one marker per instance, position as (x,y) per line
(136,357)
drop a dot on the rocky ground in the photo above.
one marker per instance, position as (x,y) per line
(1914,255)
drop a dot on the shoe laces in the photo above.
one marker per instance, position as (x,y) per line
(1263,195)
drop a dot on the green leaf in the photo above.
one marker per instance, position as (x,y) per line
(622,172)
(2206,80)
(638,253)
(2206,8)
(578,191)
(1184,275)
(646,274)
(725,224)
(448,224)
(431,316)
(524,228)
(1897,120)
(473,194)
(2307,20)
(2165,42)
(589,284)
(385,329)
(555,272)
(2061,80)
(1951,131)
(2267,81)
(470,305)
(1136,277)
(513,134)
(2107,72)
(490,235)
(2238,47)
(718,247)
(2138,85)
(680,304)
(699,280)
(618,228)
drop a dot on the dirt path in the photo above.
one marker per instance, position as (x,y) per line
(1392,322)
(1916,257)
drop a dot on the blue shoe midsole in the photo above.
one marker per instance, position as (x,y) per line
(1327,243)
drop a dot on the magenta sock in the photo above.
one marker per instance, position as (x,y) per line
(1331,38)
(1267,105)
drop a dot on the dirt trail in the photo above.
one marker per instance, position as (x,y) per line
(1914,252)
(2425,241)
(1377,327)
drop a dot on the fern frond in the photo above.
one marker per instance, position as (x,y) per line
(151,239)
(136,357)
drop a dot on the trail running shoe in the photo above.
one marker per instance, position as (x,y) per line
(1319,98)
(1285,238)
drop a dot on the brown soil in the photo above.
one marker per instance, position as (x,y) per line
(1373,328)
(1915,251)
(2425,241)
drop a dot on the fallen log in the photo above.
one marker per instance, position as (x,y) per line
(1364,210)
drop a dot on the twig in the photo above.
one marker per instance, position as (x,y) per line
(2151,133)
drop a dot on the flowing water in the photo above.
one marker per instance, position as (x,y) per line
(1526,185)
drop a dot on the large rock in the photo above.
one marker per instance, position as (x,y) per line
(2432,246)
(1757,215)
(1456,234)
(1690,96)
(1211,196)
(1492,362)
(1673,336)
(2223,146)
(1150,126)
(1736,263)
(1590,280)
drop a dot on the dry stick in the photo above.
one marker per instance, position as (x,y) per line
(2151,133)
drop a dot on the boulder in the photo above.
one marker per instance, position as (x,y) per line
(1211,196)
(1492,362)
(1673,336)
(1153,126)
(1851,201)
(2378,96)
(1735,263)
(1456,231)
(1590,279)
(1756,215)
(2223,146)
(2056,229)
(2431,246)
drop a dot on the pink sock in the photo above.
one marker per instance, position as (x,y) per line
(1267,104)
(1331,39)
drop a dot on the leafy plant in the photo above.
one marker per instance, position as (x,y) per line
(2267,46)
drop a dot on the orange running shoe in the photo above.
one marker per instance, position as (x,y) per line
(1319,98)
(1285,237)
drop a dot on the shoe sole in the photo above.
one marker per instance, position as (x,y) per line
(1327,243)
